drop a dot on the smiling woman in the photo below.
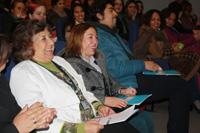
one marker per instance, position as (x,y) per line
(12,119)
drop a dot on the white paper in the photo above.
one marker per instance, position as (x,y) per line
(118,117)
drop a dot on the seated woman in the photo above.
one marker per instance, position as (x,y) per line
(82,55)
(13,119)
(176,39)
(152,44)
(41,76)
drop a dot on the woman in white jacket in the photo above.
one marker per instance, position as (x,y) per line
(41,76)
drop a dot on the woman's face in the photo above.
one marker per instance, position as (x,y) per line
(19,10)
(170,21)
(39,14)
(89,43)
(79,14)
(60,6)
(43,46)
(109,16)
(132,9)
(196,34)
(155,21)
(118,6)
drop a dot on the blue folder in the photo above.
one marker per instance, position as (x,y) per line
(165,72)
(135,100)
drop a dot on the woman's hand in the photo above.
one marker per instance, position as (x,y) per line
(115,102)
(92,126)
(35,117)
(128,91)
(105,111)
(150,65)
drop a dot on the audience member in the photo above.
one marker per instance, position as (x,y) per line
(12,119)
(57,11)
(82,55)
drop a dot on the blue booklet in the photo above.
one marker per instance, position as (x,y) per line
(164,72)
(135,100)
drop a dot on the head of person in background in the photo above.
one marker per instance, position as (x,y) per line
(176,7)
(78,14)
(131,9)
(18,9)
(118,6)
(59,7)
(168,18)
(37,10)
(196,33)
(152,18)
(140,7)
(106,14)
(89,3)
(186,8)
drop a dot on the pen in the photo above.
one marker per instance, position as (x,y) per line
(108,121)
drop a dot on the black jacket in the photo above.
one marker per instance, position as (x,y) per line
(8,108)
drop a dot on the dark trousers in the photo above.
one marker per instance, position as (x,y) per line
(177,91)
(122,127)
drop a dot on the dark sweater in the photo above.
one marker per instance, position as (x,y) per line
(8,108)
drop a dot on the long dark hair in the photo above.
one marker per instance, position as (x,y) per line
(5,48)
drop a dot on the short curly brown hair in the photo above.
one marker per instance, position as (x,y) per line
(22,38)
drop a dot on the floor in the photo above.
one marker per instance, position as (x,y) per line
(160,116)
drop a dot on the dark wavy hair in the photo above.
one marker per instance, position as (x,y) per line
(165,13)
(147,16)
(22,38)
(74,45)
(101,6)
(5,48)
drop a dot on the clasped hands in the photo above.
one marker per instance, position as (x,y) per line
(34,117)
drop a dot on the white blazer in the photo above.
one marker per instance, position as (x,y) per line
(31,82)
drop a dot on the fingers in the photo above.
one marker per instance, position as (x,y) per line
(120,103)
(36,105)
(129,91)
(150,65)
(25,108)
(48,115)
(105,111)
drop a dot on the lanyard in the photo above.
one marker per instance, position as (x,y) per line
(68,79)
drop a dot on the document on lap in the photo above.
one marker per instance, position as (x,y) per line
(164,72)
(135,100)
(118,117)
